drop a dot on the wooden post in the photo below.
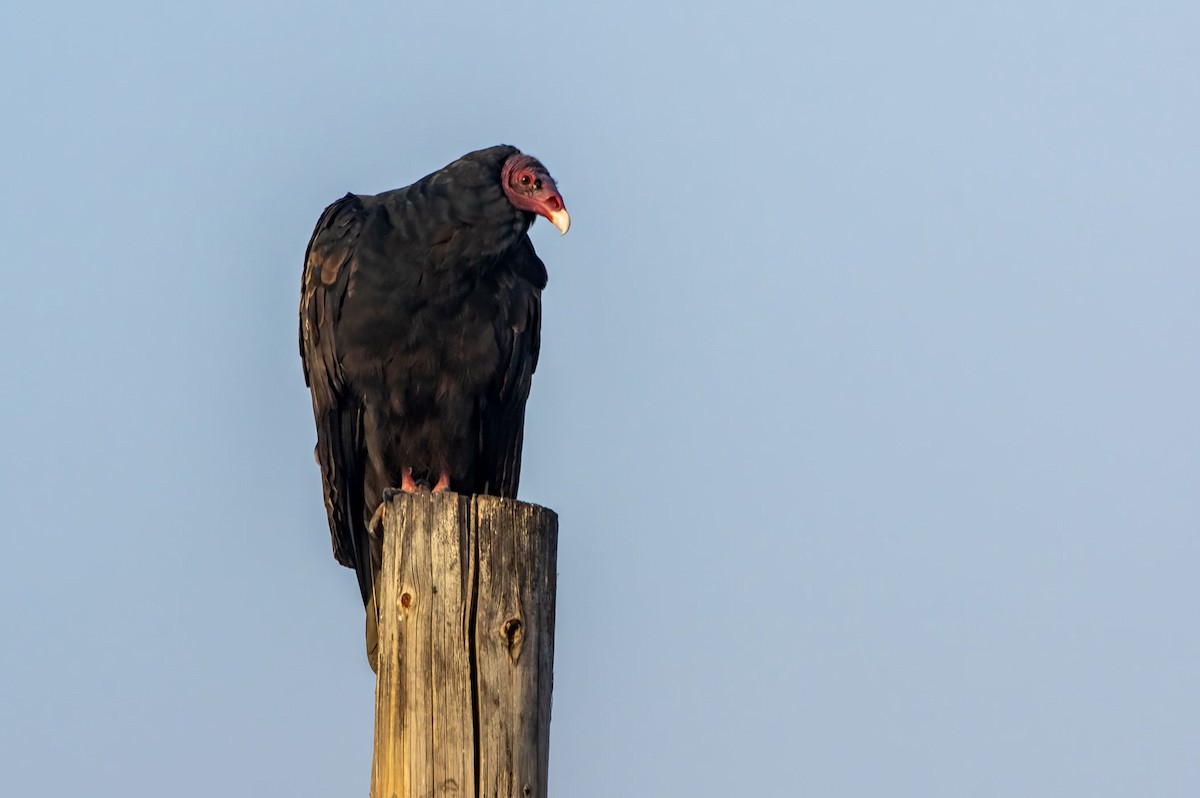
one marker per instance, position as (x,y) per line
(466,647)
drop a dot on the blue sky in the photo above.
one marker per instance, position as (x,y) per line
(868,393)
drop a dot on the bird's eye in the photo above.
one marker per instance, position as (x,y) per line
(524,180)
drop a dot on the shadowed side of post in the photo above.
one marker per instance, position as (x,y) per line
(466,647)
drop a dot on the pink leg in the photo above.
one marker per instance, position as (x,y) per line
(443,483)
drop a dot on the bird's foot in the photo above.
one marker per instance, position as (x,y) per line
(409,484)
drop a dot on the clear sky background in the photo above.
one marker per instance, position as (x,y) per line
(868,396)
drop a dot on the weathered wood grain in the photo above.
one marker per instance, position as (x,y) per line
(466,647)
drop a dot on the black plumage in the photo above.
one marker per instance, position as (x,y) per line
(420,323)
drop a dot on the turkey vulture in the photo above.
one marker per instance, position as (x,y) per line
(420,322)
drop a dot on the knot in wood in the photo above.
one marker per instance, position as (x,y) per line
(405,600)
(514,632)
(512,629)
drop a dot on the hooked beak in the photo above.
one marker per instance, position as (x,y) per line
(560,219)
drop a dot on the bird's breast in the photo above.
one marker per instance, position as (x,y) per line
(420,339)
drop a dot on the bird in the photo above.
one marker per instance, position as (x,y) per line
(420,326)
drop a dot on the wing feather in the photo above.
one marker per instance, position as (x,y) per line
(518,333)
(328,266)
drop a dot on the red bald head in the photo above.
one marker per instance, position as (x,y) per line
(530,187)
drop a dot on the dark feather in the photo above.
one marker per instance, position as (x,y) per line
(420,321)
